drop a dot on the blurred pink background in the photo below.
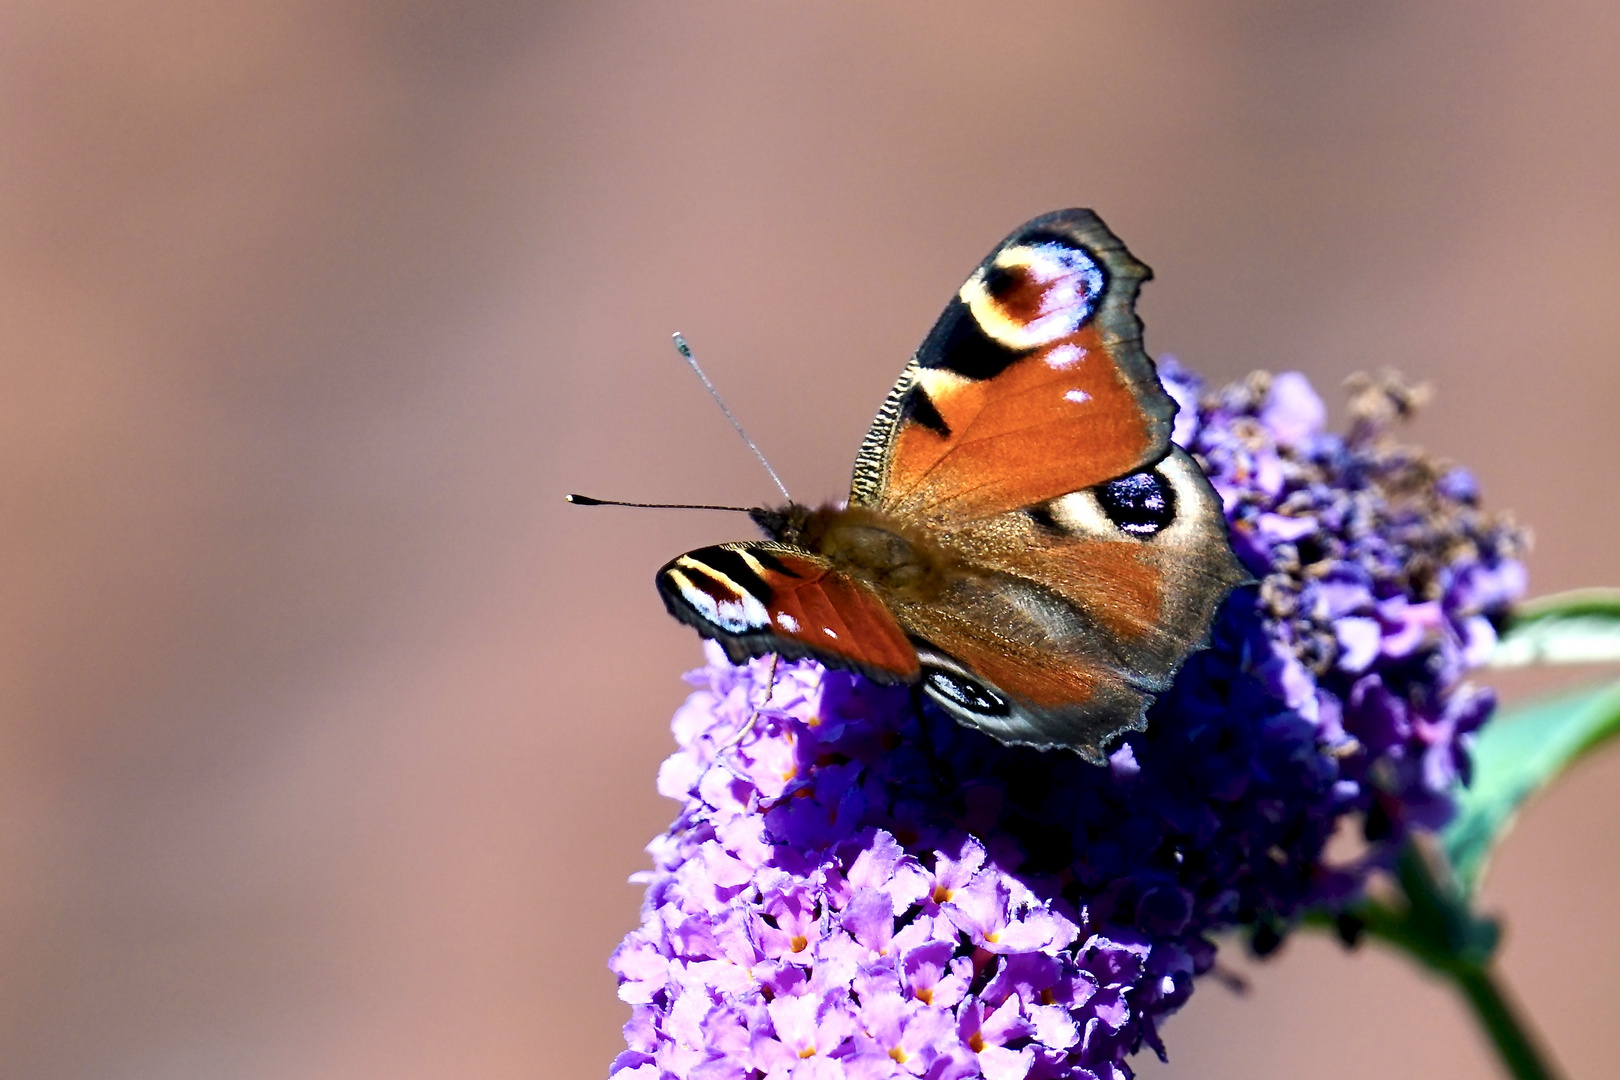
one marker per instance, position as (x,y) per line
(328,732)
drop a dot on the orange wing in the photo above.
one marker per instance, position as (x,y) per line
(1032,384)
(764,598)
(1079,610)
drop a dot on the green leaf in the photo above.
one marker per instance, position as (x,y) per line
(1578,627)
(1518,753)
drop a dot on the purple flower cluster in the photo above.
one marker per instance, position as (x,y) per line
(1381,579)
(857,887)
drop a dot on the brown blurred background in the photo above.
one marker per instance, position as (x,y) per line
(328,733)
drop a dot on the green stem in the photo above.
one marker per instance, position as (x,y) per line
(1436,927)
(1503,1023)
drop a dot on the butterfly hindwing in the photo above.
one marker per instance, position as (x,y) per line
(1080,609)
(1141,562)
(1032,384)
(764,598)
(1002,654)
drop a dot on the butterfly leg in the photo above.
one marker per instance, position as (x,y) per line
(770,688)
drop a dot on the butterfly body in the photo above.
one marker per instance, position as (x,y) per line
(1021,538)
(883,551)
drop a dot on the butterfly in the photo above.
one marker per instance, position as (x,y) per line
(1021,540)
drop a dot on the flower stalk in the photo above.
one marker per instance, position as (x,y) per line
(1431,922)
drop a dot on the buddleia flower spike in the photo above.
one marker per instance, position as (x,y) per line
(860,887)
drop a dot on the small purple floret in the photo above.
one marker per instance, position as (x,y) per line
(861,890)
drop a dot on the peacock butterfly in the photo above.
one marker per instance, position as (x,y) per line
(1021,538)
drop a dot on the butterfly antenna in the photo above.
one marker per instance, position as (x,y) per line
(686,351)
(586,500)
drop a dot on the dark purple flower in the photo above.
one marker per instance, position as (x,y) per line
(855,889)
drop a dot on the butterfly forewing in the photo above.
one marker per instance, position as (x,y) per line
(1032,384)
(772,598)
